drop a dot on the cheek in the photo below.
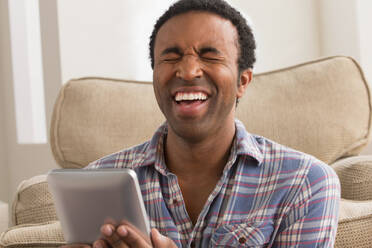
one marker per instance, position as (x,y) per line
(227,81)
(162,74)
(157,91)
(159,85)
(230,91)
(155,85)
(157,78)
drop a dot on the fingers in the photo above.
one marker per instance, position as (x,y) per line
(132,236)
(75,246)
(160,241)
(144,236)
(111,237)
(126,235)
(100,244)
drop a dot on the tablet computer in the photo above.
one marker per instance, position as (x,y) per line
(86,199)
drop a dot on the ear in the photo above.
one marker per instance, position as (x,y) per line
(244,80)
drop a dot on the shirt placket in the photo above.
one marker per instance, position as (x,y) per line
(201,222)
(177,207)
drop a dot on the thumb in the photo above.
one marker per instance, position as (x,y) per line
(159,240)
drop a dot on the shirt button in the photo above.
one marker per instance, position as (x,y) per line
(242,240)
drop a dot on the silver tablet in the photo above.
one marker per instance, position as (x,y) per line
(86,199)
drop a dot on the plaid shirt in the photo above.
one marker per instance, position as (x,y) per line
(268,196)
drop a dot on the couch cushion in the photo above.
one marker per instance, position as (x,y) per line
(355,224)
(94,117)
(355,174)
(33,202)
(321,107)
(48,234)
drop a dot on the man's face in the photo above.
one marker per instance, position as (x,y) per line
(196,80)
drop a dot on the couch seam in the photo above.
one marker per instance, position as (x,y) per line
(34,184)
(14,206)
(350,161)
(58,154)
(355,219)
(112,79)
(300,65)
(365,138)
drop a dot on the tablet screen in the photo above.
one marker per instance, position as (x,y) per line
(86,199)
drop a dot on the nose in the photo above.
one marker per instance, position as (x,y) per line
(189,68)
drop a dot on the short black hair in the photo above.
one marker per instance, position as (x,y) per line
(247,44)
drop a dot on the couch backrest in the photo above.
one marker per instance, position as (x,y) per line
(322,107)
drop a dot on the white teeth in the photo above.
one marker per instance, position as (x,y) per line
(183,96)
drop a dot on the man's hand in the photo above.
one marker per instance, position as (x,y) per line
(126,235)
(76,246)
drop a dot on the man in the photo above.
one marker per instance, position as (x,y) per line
(206,181)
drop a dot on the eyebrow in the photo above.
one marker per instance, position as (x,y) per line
(209,50)
(175,50)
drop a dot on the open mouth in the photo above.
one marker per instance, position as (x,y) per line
(190,104)
(188,98)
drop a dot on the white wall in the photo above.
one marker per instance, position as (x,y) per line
(364,11)
(346,30)
(22,161)
(4,77)
(286,31)
(339,28)
(101,39)
(106,38)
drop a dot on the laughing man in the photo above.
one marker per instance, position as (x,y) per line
(205,180)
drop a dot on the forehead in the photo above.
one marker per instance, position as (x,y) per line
(196,28)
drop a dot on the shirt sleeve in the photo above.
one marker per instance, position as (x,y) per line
(109,161)
(313,217)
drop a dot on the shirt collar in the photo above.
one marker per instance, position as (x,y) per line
(154,152)
(244,144)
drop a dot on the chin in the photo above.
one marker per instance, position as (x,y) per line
(192,133)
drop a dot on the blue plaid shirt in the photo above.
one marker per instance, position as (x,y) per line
(268,196)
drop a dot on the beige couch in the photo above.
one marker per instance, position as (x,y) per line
(321,107)
(3,216)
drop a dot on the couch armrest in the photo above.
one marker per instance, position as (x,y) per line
(3,216)
(355,224)
(355,175)
(33,203)
(46,235)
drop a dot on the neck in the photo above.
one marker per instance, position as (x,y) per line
(206,157)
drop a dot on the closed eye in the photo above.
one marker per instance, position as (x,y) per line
(171,59)
(206,57)
(210,53)
(171,54)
